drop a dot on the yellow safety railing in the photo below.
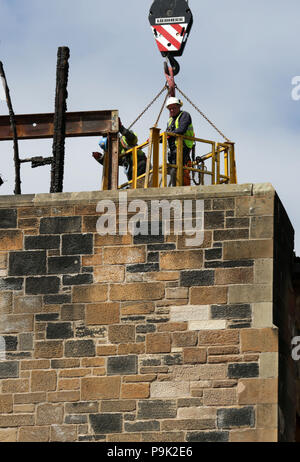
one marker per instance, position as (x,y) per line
(217,166)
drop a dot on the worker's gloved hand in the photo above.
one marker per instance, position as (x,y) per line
(98,157)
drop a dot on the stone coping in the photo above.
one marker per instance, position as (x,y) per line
(186,192)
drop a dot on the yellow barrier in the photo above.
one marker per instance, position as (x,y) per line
(221,157)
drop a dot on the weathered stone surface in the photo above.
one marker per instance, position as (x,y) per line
(170,389)
(64,265)
(49,349)
(106,423)
(261,340)
(208,295)
(42,242)
(63,433)
(156,409)
(119,333)
(79,348)
(135,390)
(77,244)
(49,414)
(60,225)
(185,259)
(257,391)
(42,285)
(43,381)
(100,388)
(158,343)
(137,291)
(122,365)
(90,294)
(11,240)
(207,437)
(8,435)
(239,417)
(8,218)
(239,370)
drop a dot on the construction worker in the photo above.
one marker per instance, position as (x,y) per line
(127,141)
(180,122)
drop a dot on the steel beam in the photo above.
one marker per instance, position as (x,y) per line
(39,126)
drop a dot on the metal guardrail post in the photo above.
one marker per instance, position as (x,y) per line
(134,167)
(155,141)
(179,161)
(164,161)
(213,164)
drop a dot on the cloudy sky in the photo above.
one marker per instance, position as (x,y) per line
(237,68)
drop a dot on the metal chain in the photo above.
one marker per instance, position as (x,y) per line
(203,115)
(162,108)
(149,105)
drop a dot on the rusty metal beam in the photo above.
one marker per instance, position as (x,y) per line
(39,126)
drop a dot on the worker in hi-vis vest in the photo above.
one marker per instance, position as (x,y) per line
(180,122)
(127,140)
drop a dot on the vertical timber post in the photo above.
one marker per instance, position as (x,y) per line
(57,170)
(113,161)
(14,131)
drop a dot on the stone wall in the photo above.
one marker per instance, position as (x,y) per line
(138,338)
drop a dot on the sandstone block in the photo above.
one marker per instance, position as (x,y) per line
(201,413)
(194,355)
(34,435)
(100,388)
(263,271)
(219,397)
(8,435)
(114,273)
(11,240)
(90,294)
(261,340)
(135,390)
(255,436)
(63,433)
(224,276)
(106,350)
(223,337)
(158,343)
(238,250)
(131,348)
(125,405)
(50,349)
(184,339)
(207,325)
(257,391)
(92,260)
(185,259)
(254,206)
(170,389)
(262,227)
(172,327)
(16,323)
(177,292)
(103,313)
(251,293)
(19,420)
(5,302)
(120,333)
(15,386)
(267,416)
(137,291)
(137,308)
(208,295)
(123,255)
(43,381)
(262,314)
(189,313)
(6,403)
(268,365)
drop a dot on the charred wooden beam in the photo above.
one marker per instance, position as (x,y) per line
(12,123)
(57,170)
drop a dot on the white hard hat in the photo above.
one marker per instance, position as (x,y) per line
(173,100)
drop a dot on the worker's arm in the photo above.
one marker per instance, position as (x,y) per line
(184,123)
(129,135)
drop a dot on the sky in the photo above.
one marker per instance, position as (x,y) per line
(239,67)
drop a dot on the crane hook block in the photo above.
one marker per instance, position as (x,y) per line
(171,22)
